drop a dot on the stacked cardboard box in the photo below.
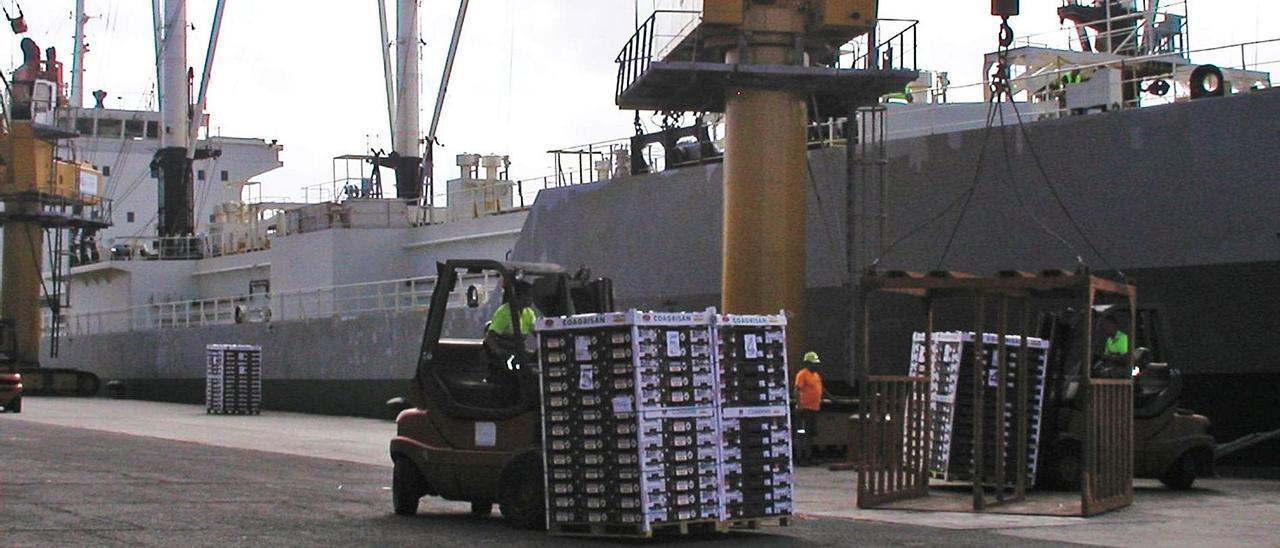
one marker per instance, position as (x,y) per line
(755,416)
(952,399)
(635,431)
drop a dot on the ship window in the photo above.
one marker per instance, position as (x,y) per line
(84,126)
(153,129)
(135,129)
(200,175)
(108,127)
(128,217)
(106,171)
(225,176)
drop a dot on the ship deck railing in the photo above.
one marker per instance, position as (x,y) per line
(381,297)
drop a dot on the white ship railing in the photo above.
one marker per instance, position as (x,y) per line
(383,297)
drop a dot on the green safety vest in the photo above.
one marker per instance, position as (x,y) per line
(1118,343)
(501,322)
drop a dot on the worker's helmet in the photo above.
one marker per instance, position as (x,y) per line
(811,357)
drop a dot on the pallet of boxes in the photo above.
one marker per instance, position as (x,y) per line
(233,379)
(660,422)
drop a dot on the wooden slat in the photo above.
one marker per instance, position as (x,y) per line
(893,466)
(1108,455)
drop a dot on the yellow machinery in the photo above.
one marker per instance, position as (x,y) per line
(40,192)
(764,63)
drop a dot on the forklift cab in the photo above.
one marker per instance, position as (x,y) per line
(1146,346)
(474,435)
(1171,444)
(455,369)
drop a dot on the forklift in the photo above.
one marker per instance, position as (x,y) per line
(474,431)
(1171,444)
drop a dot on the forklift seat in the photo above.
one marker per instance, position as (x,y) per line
(1156,389)
(465,372)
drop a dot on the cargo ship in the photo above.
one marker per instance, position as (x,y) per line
(1162,165)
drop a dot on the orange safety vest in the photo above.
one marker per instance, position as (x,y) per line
(809,388)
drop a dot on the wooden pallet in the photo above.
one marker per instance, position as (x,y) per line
(619,530)
(682,528)
(757,523)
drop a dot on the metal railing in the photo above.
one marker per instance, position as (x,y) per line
(639,51)
(390,296)
(898,52)
(154,248)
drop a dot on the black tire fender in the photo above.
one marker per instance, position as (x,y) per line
(1203,77)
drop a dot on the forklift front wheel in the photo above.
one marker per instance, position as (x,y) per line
(407,487)
(521,497)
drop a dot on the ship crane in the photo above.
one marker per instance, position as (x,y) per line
(761,63)
(41,194)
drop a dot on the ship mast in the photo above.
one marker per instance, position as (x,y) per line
(77,59)
(408,158)
(175,217)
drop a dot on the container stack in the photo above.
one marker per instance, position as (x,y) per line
(233,379)
(634,431)
(952,403)
(755,416)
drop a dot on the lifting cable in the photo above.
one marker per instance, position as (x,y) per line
(1000,89)
(817,192)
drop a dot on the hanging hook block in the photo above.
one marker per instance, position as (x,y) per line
(1004,8)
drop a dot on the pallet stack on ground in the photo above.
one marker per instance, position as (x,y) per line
(633,427)
(751,358)
(952,408)
(233,379)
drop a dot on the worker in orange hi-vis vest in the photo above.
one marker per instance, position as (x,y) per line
(808,398)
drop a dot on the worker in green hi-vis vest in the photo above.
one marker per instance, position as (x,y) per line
(1117,340)
(1115,351)
(504,347)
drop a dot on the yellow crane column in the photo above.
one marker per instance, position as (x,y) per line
(763,262)
(761,62)
(20,289)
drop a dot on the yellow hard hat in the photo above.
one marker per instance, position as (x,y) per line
(811,357)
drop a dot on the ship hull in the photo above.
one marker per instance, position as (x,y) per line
(1181,198)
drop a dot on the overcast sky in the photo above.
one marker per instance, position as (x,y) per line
(531,75)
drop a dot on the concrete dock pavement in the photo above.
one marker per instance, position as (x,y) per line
(99,471)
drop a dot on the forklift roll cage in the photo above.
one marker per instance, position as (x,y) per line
(895,462)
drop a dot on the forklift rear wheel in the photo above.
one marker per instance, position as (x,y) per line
(481,509)
(407,486)
(1183,473)
(520,498)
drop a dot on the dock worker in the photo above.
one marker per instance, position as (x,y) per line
(808,391)
(1117,339)
(500,340)
(1115,350)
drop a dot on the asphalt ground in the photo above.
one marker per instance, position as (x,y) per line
(63,486)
